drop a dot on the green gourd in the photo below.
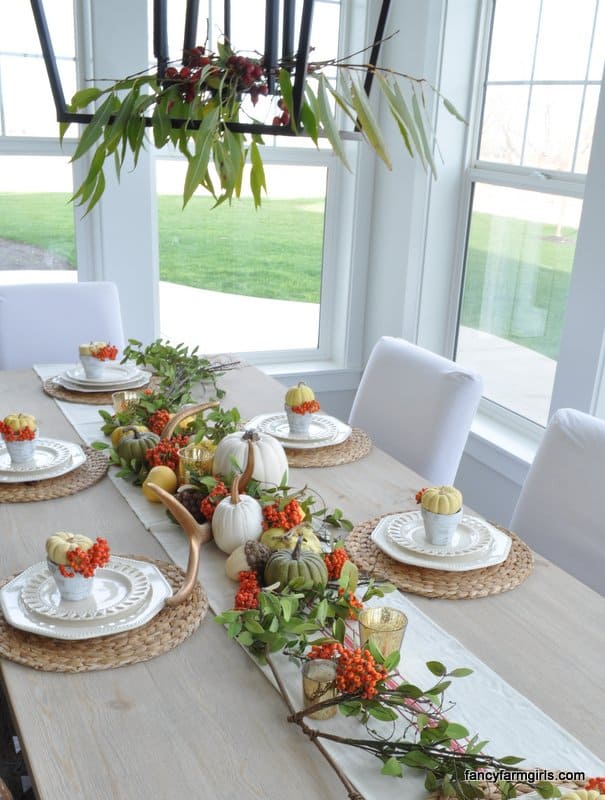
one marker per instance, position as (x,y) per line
(134,444)
(284,566)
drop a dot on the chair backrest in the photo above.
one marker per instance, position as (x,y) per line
(560,509)
(45,322)
(417,406)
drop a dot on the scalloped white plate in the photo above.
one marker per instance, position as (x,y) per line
(117,588)
(341,433)
(321,427)
(142,379)
(113,374)
(41,473)
(471,536)
(20,616)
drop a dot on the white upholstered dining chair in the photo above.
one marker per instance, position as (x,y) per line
(417,406)
(560,509)
(45,322)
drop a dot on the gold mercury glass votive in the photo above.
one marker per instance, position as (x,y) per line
(384,626)
(319,683)
(196,459)
(124,400)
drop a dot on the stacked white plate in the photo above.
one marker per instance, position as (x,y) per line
(126,594)
(52,457)
(324,431)
(116,377)
(475,543)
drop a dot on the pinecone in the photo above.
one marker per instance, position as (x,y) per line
(257,555)
(191,499)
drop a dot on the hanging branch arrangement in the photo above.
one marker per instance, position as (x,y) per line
(197,109)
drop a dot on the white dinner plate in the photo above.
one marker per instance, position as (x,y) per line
(136,383)
(471,536)
(321,427)
(20,616)
(76,458)
(118,587)
(342,431)
(495,554)
(113,374)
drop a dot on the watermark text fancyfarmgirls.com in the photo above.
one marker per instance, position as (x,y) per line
(523,776)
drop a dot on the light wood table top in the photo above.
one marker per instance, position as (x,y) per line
(202,721)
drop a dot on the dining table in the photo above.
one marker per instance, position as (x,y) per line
(203,720)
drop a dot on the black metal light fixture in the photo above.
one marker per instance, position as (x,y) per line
(294,60)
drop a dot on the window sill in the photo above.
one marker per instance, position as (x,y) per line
(505,446)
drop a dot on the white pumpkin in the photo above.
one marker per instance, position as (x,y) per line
(59,543)
(236,520)
(270,462)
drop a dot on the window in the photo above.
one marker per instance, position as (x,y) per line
(532,147)
(37,238)
(252,281)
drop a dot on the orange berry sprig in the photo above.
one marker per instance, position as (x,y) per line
(595,783)
(335,561)
(356,671)
(86,561)
(158,421)
(247,595)
(354,604)
(9,435)
(209,503)
(287,518)
(106,353)
(166,452)
(308,407)
(420,493)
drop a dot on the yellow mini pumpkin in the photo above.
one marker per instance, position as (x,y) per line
(299,394)
(18,422)
(58,545)
(442,500)
(91,348)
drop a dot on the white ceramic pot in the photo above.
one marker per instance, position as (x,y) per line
(76,588)
(21,452)
(440,528)
(93,367)
(299,423)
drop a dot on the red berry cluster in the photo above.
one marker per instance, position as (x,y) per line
(166,452)
(308,407)
(354,604)
(214,497)
(420,493)
(335,561)
(247,595)
(595,783)
(25,434)
(286,518)
(158,421)
(188,79)
(356,671)
(284,117)
(86,561)
(106,353)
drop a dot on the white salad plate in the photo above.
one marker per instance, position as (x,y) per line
(52,458)
(496,553)
(118,587)
(321,427)
(84,621)
(471,536)
(112,374)
(340,431)
(141,379)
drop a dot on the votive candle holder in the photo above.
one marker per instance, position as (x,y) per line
(383,626)
(124,400)
(319,684)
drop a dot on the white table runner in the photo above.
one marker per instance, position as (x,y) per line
(485,703)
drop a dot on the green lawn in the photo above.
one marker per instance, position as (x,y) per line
(519,294)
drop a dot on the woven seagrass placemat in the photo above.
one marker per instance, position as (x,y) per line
(438,583)
(166,630)
(355,447)
(89,398)
(91,471)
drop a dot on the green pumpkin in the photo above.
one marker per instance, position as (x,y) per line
(284,566)
(134,444)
